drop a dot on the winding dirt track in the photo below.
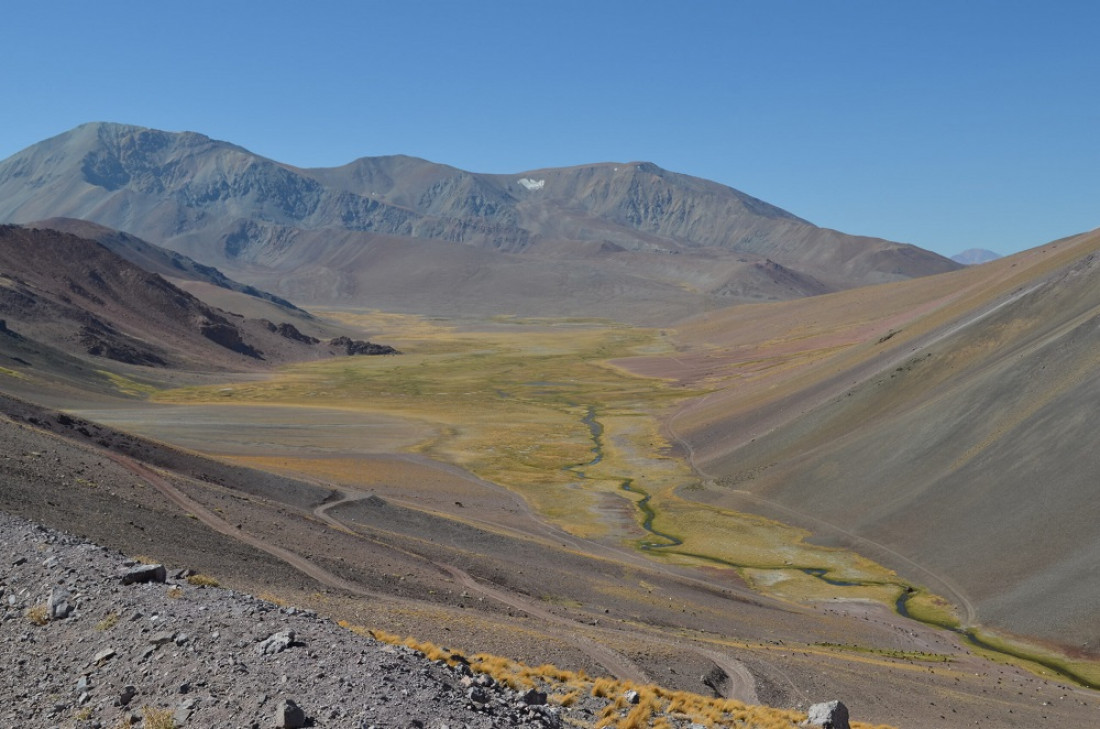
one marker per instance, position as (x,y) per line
(742,684)
(221,526)
(618,665)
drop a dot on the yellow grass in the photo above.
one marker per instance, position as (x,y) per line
(157,718)
(202,581)
(38,615)
(655,707)
(108,622)
(542,411)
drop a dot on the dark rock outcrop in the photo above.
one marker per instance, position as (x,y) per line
(358,346)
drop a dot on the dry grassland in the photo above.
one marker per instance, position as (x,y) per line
(653,706)
(537,407)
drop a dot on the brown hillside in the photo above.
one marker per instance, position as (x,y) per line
(944,419)
(75,296)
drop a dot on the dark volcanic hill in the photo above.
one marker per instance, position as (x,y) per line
(166,263)
(64,296)
(630,240)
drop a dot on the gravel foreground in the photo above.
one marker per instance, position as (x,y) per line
(81,649)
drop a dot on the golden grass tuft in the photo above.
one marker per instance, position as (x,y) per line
(38,614)
(657,707)
(202,581)
(155,718)
(273,599)
(109,621)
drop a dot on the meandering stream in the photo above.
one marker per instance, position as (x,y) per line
(661,540)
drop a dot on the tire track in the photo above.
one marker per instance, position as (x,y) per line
(215,522)
(617,664)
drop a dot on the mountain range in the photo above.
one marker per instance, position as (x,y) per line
(933,417)
(624,240)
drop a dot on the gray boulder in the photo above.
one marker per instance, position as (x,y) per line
(289,715)
(58,605)
(276,643)
(828,715)
(145,573)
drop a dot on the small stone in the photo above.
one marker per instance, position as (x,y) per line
(104,655)
(183,711)
(478,695)
(162,637)
(632,697)
(58,605)
(145,573)
(288,715)
(828,715)
(127,694)
(276,643)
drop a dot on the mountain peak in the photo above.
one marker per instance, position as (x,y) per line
(227,207)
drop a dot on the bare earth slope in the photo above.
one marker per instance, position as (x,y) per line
(73,295)
(154,259)
(627,241)
(942,426)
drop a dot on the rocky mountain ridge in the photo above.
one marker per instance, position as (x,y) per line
(608,239)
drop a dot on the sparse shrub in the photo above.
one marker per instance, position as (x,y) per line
(567,699)
(276,600)
(38,615)
(108,622)
(202,581)
(158,718)
(602,687)
(639,716)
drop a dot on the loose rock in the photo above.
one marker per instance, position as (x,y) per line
(145,573)
(289,715)
(828,715)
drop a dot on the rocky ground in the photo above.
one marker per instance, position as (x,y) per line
(90,638)
(83,649)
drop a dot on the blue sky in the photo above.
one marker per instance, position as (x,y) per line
(950,125)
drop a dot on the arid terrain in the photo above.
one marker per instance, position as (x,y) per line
(778,503)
